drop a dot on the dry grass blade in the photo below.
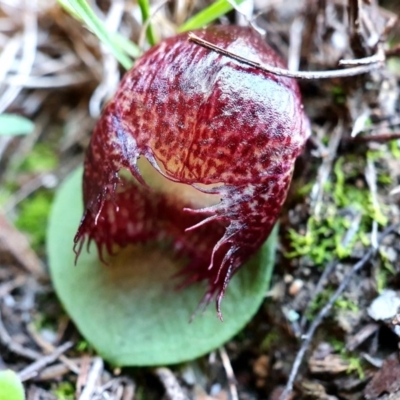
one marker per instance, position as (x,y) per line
(14,242)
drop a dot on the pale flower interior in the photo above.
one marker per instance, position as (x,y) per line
(187,194)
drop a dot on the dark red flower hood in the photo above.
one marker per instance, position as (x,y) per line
(196,150)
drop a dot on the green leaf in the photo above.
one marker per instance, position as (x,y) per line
(14,125)
(114,41)
(129,310)
(10,386)
(121,42)
(145,10)
(209,14)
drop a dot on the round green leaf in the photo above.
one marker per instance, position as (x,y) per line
(10,386)
(129,310)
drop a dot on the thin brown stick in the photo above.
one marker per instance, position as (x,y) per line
(14,346)
(378,57)
(173,389)
(33,370)
(93,379)
(337,73)
(85,363)
(379,138)
(226,362)
(49,348)
(52,372)
(393,52)
(325,311)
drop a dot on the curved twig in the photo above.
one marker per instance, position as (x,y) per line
(337,73)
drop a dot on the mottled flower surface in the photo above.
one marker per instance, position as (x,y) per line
(195,150)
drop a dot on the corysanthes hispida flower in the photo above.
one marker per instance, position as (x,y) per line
(196,149)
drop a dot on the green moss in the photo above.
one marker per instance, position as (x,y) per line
(33,210)
(346,304)
(384,270)
(317,303)
(368,123)
(305,189)
(384,179)
(355,362)
(64,391)
(42,321)
(33,215)
(42,158)
(339,346)
(381,278)
(270,340)
(339,95)
(355,365)
(346,196)
(321,239)
(84,346)
(140,393)
(394,146)
(387,264)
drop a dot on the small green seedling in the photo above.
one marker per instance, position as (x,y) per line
(10,386)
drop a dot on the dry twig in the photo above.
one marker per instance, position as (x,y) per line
(378,138)
(33,370)
(338,73)
(49,348)
(93,379)
(172,387)
(18,246)
(14,346)
(229,373)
